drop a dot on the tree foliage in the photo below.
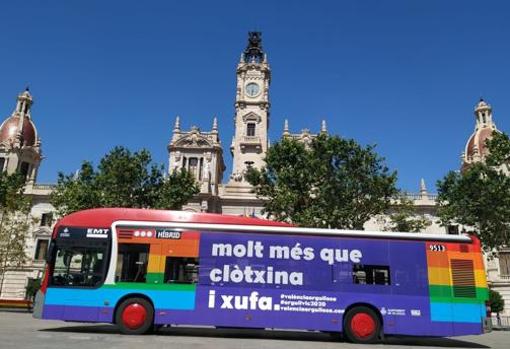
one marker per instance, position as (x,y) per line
(175,190)
(123,179)
(479,196)
(333,182)
(497,303)
(14,222)
(404,218)
(499,146)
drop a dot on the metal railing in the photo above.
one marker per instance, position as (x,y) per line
(500,322)
(418,196)
(45,186)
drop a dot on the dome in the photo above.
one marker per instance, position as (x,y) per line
(476,143)
(9,130)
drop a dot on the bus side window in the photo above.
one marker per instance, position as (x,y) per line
(132,263)
(342,273)
(181,270)
(365,274)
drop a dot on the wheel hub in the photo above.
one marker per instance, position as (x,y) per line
(362,325)
(134,316)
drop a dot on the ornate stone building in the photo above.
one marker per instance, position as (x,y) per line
(20,147)
(305,136)
(252,106)
(20,150)
(201,152)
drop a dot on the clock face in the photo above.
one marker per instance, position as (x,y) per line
(252,89)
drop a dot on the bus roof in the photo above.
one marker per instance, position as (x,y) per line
(105,217)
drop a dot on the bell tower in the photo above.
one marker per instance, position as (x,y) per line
(251,119)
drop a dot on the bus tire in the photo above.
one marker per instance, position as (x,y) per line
(135,316)
(362,325)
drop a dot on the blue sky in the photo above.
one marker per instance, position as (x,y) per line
(404,75)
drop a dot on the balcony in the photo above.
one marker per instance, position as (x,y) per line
(251,142)
(418,196)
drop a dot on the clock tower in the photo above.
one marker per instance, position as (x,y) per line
(251,119)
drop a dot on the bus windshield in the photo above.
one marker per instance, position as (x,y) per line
(79,258)
(79,266)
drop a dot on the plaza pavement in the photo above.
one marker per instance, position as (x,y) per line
(20,330)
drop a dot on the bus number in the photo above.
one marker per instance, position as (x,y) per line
(437,248)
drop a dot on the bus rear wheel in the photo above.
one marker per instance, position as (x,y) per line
(134,316)
(362,325)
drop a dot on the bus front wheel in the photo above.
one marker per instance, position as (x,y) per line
(362,325)
(134,316)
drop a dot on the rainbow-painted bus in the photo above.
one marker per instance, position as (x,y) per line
(142,269)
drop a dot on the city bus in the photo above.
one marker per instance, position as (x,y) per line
(143,269)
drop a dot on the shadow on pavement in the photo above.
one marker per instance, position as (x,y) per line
(97,329)
(432,342)
(279,335)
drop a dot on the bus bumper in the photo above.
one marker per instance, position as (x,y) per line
(38,305)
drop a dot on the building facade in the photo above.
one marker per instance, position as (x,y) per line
(498,268)
(21,150)
(201,152)
(249,142)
